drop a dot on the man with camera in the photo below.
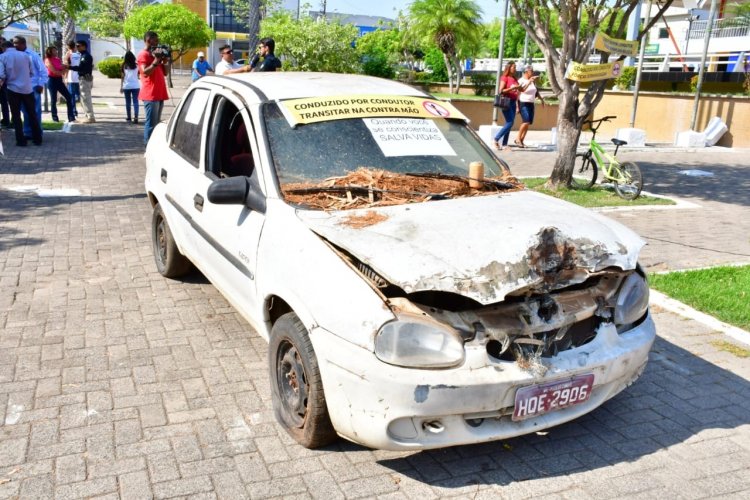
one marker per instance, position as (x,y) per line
(153,63)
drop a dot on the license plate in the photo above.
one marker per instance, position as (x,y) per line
(536,400)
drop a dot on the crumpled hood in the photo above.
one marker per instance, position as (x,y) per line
(482,247)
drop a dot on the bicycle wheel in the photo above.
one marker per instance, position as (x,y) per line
(584,172)
(632,181)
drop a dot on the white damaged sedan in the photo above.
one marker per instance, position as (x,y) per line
(413,293)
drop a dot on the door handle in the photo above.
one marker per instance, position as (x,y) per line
(198,202)
(163,176)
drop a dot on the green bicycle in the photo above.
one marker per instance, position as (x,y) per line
(626,176)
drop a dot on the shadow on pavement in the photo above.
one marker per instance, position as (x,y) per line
(679,396)
(17,206)
(730,182)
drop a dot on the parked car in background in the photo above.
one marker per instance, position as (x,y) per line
(413,293)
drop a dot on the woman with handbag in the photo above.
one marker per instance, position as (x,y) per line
(508,93)
(526,98)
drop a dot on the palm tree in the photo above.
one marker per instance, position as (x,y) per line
(449,24)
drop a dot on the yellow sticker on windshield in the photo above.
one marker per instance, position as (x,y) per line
(320,109)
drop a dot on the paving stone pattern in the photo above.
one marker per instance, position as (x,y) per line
(117,383)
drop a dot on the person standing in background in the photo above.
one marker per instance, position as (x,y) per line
(38,82)
(153,64)
(201,67)
(526,98)
(130,85)
(4,109)
(269,62)
(15,70)
(73,58)
(85,69)
(508,88)
(56,71)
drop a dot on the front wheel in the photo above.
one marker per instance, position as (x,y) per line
(296,387)
(584,172)
(630,182)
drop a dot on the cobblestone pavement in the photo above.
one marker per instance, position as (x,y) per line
(117,382)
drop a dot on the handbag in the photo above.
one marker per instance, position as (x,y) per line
(502,102)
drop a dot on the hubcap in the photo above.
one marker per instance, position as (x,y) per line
(292,383)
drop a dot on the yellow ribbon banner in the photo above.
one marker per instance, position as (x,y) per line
(320,109)
(593,72)
(606,43)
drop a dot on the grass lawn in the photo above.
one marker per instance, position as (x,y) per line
(595,196)
(50,125)
(722,292)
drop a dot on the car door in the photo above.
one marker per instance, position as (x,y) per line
(229,234)
(183,168)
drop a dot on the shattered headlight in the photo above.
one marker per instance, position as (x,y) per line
(632,300)
(416,343)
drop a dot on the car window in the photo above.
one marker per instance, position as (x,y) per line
(186,140)
(318,151)
(228,146)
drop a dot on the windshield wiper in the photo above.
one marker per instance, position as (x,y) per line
(466,178)
(361,190)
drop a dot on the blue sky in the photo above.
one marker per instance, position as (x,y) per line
(385,8)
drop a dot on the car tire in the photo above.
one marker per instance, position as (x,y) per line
(169,261)
(296,387)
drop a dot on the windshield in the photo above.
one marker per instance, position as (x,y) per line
(381,153)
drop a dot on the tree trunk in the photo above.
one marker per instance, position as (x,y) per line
(449,67)
(458,73)
(568,134)
(69,31)
(253,24)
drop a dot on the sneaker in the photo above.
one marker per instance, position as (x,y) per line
(88,120)
(127,120)
(135,121)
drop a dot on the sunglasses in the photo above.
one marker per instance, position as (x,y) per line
(227,52)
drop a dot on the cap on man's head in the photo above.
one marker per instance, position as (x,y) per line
(201,54)
(528,67)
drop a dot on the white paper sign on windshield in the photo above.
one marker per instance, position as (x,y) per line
(408,137)
(197,106)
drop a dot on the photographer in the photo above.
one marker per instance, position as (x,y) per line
(153,63)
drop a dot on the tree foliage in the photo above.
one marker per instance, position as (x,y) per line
(380,51)
(176,25)
(538,18)
(13,11)
(515,35)
(451,25)
(312,45)
(106,18)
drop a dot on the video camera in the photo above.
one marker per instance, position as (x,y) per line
(161,52)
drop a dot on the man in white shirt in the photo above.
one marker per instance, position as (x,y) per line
(227,65)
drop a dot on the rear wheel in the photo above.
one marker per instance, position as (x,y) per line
(631,182)
(584,172)
(169,261)
(297,390)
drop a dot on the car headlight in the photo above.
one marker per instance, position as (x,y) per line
(417,343)
(632,300)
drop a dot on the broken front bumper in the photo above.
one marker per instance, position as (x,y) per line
(395,408)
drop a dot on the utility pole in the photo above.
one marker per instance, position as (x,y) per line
(500,50)
(324,9)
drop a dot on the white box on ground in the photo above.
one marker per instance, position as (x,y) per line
(714,130)
(633,136)
(691,139)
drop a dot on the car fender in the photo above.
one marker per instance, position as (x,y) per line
(344,302)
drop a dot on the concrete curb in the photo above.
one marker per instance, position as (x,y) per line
(677,307)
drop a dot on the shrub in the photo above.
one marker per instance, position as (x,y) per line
(377,65)
(110,67)
(694,84)
(484,83)
(626,78)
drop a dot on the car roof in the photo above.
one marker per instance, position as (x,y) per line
(292,85)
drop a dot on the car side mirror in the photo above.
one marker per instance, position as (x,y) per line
(238,190)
